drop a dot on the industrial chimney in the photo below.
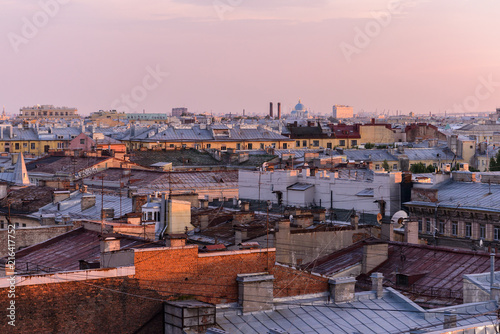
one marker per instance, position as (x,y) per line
(271,109)
(279,110)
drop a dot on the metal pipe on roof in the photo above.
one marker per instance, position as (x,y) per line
(492,268)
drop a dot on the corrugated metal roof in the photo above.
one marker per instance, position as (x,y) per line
(390,314)
(66,250)
(72,207)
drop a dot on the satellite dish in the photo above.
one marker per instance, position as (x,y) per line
(291,218)
(399,217)
(480,242)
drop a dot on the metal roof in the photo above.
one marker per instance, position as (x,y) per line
(72,207)
(465,195)
(393,313)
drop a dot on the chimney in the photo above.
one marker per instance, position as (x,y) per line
(189,316)
(203,204)
(411,232)
(271,109)
(88,201)
(354,221)
(240,234)
(387,233)
(342,289)
(48,219)
(203,222)
(175,240)
(279,110)
(110,244)
(245,206)
(378,284)
(59,196)
(450,319)
(108,213)
(373,256)
(495,292)
(255,292)
(131,191)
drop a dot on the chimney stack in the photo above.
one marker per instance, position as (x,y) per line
(271,110)
(279,110)
(342,289)
(450,319)
(378,284)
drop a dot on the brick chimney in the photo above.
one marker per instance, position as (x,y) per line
(255,292)
(342,289)
(411,232)
(245,206)
(450,319)
(88,201)
(59,196)
(110,244)
(387,232)
(175,240)
(373,256)
(378,284)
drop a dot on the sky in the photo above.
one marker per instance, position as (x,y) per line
(224,56)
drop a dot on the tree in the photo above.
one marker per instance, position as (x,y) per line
(431,169)
(369,146)
(418,168)
(495,163)
(385,165)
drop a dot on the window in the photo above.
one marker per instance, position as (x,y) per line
(150,216)
(304,143)
(441,227)
(297,143)
(33,146)
(238,146)
(496,233)
(223,148)
(82,141)
(420,227)
(1,225)
(395,166)
(17,146)
(25,144)
(482,231)
(285,146)
(17,225)
(316,143)
(261,146)
(377,167)
(24,225)
(273,145)
(328,145)
(342,142)
(354,142)
(454,228)
(428,225)
(250,146)
(172,145)
(468,230)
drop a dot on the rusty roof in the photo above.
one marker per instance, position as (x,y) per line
(54,164)
(64,252)
(27,199)
(438,270)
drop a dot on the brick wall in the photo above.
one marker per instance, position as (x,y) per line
(75,307)
(211,278)
(30,236)
(291,282)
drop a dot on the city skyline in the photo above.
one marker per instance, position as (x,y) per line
(228,55)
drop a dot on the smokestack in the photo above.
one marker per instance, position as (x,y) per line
(279,110)
(271,109)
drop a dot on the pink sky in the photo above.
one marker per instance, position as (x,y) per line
(223,58)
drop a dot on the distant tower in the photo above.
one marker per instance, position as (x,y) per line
(271,109)
(279,110)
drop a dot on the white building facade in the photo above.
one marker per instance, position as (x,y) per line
(371,192)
